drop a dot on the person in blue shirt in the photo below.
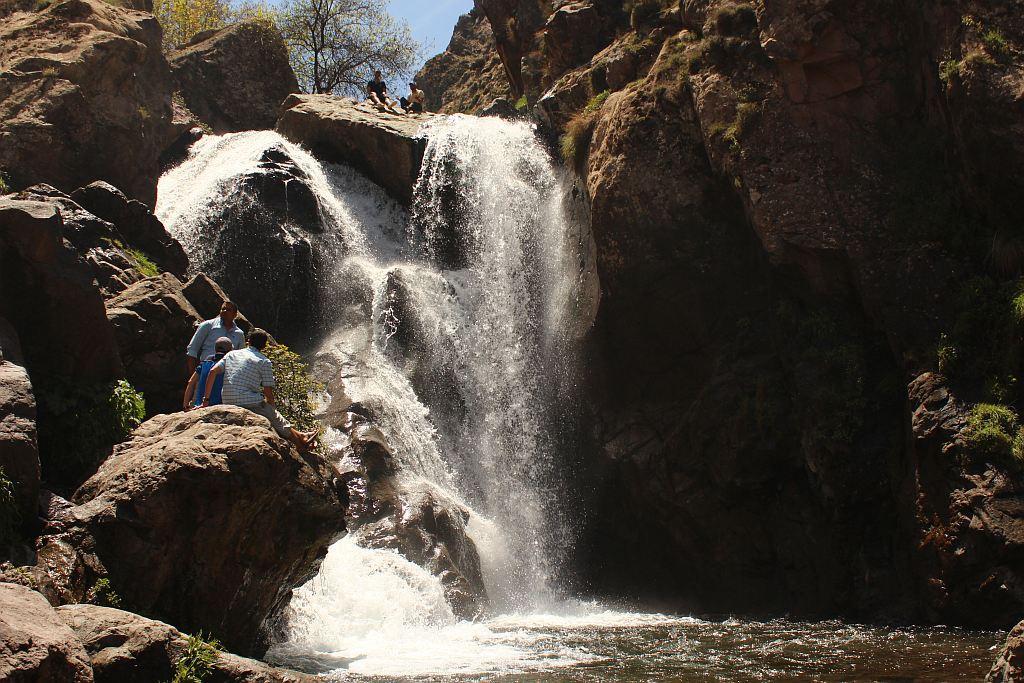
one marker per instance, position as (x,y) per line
(196,389)
(209,331)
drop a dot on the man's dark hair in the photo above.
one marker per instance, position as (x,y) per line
(230,304)
(258,339)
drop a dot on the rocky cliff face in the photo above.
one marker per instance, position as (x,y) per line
(787,200)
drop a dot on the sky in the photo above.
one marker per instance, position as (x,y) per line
(431,21)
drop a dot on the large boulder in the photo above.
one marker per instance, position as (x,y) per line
(1009,666)
(19,450)
(386,147)
(153,322)
(236,78)
(48,294)
(125,647)
(85,94)
(35,643)
(206,520)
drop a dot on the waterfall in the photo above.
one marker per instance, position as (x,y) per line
(455,324)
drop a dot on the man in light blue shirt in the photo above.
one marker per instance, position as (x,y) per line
(249,382)
(204,341)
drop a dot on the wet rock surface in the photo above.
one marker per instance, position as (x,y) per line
(1009,666)
(35,644)
(147,512)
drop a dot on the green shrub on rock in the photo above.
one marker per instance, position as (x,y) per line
(296,388)
(992,432)
(9,516)
(103,594)
(196,662)
(79,424)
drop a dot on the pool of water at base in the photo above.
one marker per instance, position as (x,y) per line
(613,646)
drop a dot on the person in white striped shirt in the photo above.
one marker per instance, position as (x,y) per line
(249,382)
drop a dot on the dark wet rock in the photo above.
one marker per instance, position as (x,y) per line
(235,78)
(502,109)
(125,648)
(35,644)
(382,145)
(416,519)
(153,322)
(146,513)
(85,95)
(19,449)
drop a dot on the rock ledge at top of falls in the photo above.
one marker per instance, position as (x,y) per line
(386,147)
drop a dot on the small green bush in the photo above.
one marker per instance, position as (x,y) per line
(736,19)
(103,594)
(596,102)
(521,103)
(991,432)
(5,187)
(948,70)
(196,662)
(78,424)
(296,388)
(995,42)
(143,263)
(9,515)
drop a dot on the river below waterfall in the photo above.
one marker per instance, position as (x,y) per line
(459,326)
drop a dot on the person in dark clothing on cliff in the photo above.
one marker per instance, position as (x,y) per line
(377,90)
(414,103)
(249,383)
(196,388)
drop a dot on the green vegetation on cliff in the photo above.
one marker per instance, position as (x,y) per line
(993,433)
(80,424)
(296,388)
(9,517)
(196,663)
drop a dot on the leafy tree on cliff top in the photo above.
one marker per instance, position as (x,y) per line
(181,20)
(336,45)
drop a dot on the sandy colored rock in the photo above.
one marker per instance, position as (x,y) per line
(125,647)
(384,146)
(220,516)
(35,644)
(1009,666)
(236,78)
(85,95)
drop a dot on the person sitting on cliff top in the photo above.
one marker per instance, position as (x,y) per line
(249,383)
(196,388)
(204,341)
(414,103)
(377,90)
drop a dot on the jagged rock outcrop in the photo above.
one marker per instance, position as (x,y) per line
(125,647)
(147,511)
(1009,666)
(137,225)
(207,297)
(47,293)
(383,146)
(19,449)
(468,75)
(235,78)
(35,644)
(152,321)
(515,24)
(85,95)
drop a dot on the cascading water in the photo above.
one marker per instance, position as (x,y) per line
(457,326)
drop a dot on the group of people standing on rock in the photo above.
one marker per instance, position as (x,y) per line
(377,95)
(224,369)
